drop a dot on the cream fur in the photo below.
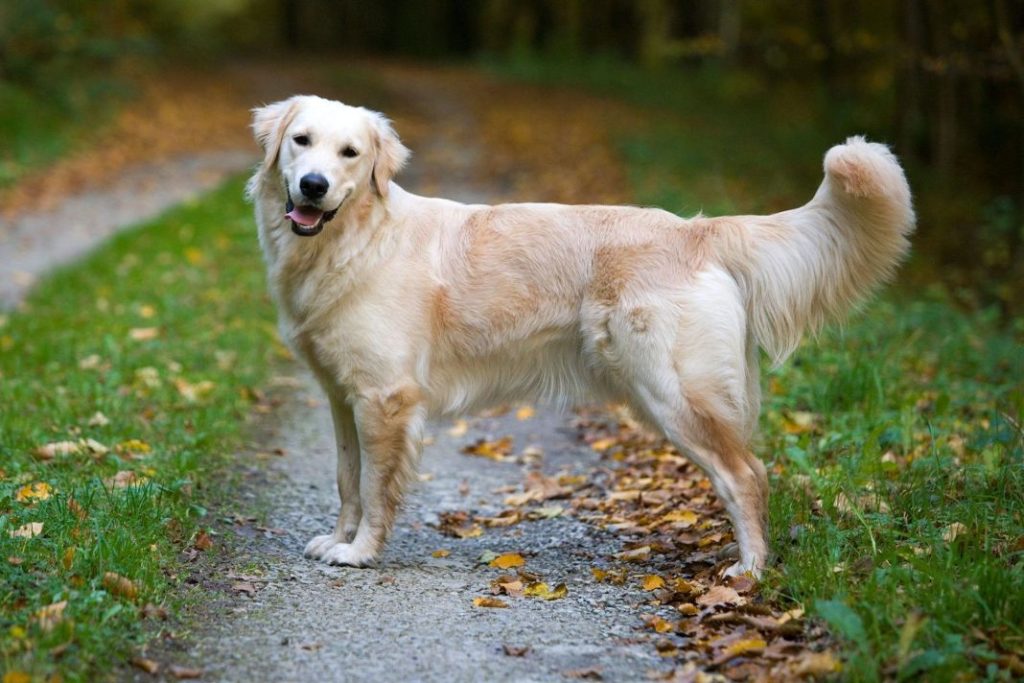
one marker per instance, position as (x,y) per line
(409,307)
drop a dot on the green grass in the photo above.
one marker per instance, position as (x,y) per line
(898,507)
(884,436)
(172,406)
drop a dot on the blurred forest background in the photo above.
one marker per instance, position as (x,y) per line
(941,80)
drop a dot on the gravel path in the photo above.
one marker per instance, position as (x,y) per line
(39,242)
(412,617)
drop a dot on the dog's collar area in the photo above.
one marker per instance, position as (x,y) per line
(307,230)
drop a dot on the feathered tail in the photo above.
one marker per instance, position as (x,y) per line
(801,267)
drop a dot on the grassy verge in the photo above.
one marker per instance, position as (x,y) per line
(895,442)
(137,365)
(38,127)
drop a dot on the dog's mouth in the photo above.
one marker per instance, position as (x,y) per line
(307,221)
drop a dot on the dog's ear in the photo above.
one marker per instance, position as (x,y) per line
(268,126)
(391,154)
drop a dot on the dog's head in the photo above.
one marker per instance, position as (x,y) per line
(327,154)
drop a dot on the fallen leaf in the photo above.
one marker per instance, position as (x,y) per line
(203,541)
(742,647)
(489,602)
(30,530)
(98,419)
(816,664)
(603,444)
(720,595)
(653,582)
(14,560)
(120,586)
(147,665)
(144,333)
(247,587)
(184,672)
(681,518)
(524,413)
(508,561)
(494,450)
(441,553)
(659,624)
(194,393)
(49,616)
(504,518)
(591,673)
(30,493)
(641,554)
(541,590)
(515,650)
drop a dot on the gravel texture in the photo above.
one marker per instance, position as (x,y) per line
(411,618)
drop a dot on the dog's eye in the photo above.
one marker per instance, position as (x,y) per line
(350,152)
(301,140)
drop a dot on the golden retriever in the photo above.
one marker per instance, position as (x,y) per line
(408,307)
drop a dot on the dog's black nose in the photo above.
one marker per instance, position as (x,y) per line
(313,185)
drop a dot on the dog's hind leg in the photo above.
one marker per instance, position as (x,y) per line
(347,441)
(693,375)
(390,425)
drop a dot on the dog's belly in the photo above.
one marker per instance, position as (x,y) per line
(550,367)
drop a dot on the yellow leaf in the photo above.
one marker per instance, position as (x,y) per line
(603,444)
(653,582)
(660,625)
(33,492)
(508,561)
(147,311)
(29,530)
(194,256)
(17,677)
(524,413)
(541,590)
(685,518)
(441,553)
(744,646)
(489,602)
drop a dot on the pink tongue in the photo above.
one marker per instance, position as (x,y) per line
(305,215)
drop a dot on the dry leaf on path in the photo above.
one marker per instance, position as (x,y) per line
(489,602)
(508,561)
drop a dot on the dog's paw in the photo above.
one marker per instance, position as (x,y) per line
(319,545)
(348,554)
(740,568)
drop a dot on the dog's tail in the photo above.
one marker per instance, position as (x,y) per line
(801,267)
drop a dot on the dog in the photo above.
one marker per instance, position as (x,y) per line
(407,307)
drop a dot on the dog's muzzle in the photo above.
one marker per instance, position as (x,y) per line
(307,221)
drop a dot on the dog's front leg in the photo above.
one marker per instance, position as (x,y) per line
(346,439)
(390,425)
